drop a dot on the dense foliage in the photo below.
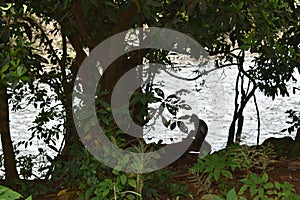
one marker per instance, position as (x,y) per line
(43,43)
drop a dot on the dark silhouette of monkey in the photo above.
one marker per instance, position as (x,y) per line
(199,144)
(195,137)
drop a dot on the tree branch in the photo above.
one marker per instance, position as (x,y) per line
(80,53)
(205,72)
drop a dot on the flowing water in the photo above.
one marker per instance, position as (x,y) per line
(214,103)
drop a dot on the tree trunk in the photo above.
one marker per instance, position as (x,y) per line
(71,138)
(7,146)
(240,127)
(231,133)
(111,76)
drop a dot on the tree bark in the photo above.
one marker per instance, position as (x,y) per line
(7,146)
(72,140)
(111,75)
(231,133)
(240,128)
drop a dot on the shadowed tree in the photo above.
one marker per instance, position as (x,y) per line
(7,145)
(227,29)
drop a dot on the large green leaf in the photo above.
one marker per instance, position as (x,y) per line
(8,194)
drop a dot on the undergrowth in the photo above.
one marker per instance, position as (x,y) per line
(239,172)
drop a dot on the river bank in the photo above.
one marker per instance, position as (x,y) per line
(281,171)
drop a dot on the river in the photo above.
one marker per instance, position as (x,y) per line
(214,103)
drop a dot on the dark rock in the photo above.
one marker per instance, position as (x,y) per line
(297,138)
(282,146)
(295,148)
(286,146)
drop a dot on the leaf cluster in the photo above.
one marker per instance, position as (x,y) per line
(233,163)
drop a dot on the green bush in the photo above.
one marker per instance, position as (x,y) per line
(242,169)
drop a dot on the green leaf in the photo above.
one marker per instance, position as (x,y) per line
(253,190)
(125,160)
(161,108)
(245,47)
(4,68)
(21,70)
(132,183)
(227,174)
(104,120)
(173,126)
(105,192)
(159,92)
(217,175)
(268,185)
(29,198)
(186,107)
(265,178)
(209,169)
(25,78)
(265,15)
(270,192)
(123,178)
(182,127)
(231,195)
(243,189)
(116,172)
(261,192)
(209,177)
(277,185)
(8,194)
(165,122)
(240,6)
(172,109)
(104,104)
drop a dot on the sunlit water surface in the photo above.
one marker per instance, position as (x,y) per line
(214,103)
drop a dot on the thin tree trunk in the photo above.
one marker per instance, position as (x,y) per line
(240,127)
(231,134)
(258,119)
(245,97)
(71,138)
(7,146)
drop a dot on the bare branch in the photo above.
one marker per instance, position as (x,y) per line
(205,72)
